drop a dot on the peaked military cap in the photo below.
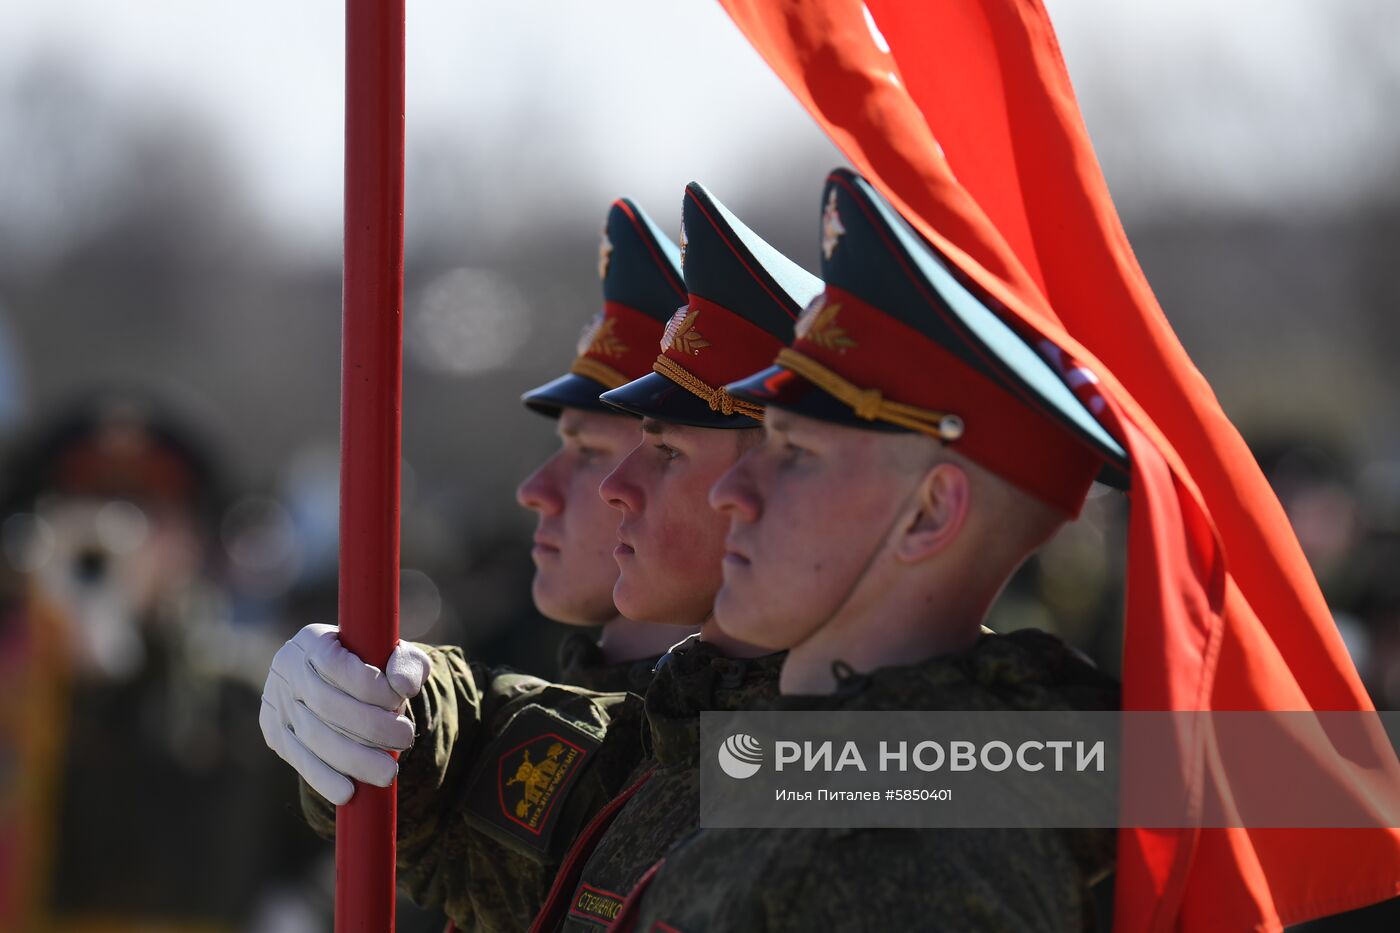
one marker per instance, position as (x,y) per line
(743,297)
(897,342)
(640,270)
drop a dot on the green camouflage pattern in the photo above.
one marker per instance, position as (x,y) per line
(446,858)
(581,664)
(898,879)
(691,678)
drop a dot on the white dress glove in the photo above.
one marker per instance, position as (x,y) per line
(333,717)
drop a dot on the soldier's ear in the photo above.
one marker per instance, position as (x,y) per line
(939,511)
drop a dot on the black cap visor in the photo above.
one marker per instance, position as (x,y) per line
(568,391)
(655,396)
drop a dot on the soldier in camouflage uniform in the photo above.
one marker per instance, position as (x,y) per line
(743,298)
(916,451)
(469,708)
(505,770)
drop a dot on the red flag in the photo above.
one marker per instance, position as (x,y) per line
(962,114)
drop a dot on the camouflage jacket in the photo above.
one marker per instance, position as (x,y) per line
(665,807)
(901,879)
(504,772)
(581,664)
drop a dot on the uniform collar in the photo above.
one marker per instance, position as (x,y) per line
(693,677)
(581,664)
(1025,670)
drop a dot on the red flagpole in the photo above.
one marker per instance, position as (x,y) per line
(371,395)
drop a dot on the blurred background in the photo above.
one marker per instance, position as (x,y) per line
(170,188)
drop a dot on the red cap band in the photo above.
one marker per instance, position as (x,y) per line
(1000,429)
(715,344)
(617,346)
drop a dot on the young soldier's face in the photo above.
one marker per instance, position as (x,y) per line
(669,541)
(808,509)
(576,532)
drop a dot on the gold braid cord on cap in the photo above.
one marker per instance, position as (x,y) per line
(718,399)
(870,404)
(590,368)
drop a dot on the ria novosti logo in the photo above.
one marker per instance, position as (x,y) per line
(740,756)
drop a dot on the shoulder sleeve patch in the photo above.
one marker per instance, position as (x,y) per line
(525,776)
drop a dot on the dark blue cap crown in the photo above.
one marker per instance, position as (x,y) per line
(729,265)
(642,287)
(639,265)
(744,297)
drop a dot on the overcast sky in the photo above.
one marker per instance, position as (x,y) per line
(1195,104)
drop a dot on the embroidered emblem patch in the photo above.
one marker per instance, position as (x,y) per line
(681,333)
(598,338)
(595,905)
(605,250)
(538,780)
(818,325)
(832,228)
(525,776)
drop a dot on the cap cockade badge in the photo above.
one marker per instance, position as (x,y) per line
(605,249)
(818,325)
(598,338)
(684,244)
(681,333)
(832,228)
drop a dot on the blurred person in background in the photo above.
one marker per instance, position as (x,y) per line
(149,806)
(31,705)
(1348,530)
(1348,524)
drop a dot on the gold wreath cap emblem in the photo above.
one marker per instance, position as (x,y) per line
(818,325)
(599,339)
(585,337)
(681,334)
